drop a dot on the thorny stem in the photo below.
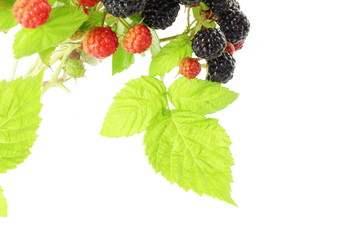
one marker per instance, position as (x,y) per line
(53,81)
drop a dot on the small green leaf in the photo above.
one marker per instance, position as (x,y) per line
(198,17)
(46,55)
(134,107)
(200,96)
(94,20)
(63,22)
(3,204)
(121,60)
(209,24)
(155,44)
(192,151)
(7,21)
(196,13)
(19,119)
(170,56)
(136,18)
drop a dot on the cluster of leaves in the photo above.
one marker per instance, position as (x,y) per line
(182,144)
(185,146)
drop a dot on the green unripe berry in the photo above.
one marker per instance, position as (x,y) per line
(75,68)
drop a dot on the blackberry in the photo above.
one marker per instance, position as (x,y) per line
(234,25)
(189,2)
(209,43)
(124,8)
(234,4)
(221,69)
(160,14)
(218,7)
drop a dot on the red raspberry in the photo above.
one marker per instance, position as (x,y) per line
(88,3)
(230,48)
(137,40)
(239,45)
(190,67)
(100,42)
(31,13)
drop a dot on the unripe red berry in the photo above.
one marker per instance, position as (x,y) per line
(190,68)
(31,13)
(100,42)
(239,45)
(137,40)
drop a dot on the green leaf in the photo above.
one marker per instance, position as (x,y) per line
(67,2)
(192,151)
(196,13)
(155,44)
(136,18)
(7,21)
(134,107)
(200,96)
(46,55)
(7,4)
(170,56)
(121,60)
(63,22)
(198,17)
(3,204)
(94,20)
(19,119)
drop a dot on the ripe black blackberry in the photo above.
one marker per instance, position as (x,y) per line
(124,8)
(234,4)
(221,69)
(189,2)
(234,25)
(160,14)
(209,43)
(218,7)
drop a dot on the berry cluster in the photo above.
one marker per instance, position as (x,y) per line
(216,45)
(72,34)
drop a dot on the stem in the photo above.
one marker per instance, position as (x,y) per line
(53,81)
(124,23)
(169,38)
(13,72)
(103,19)
(188,18)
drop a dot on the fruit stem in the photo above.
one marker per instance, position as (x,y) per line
(171,38)
(124,23)
(188,19)
(103,19)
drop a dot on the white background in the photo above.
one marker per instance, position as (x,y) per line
(295,131)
